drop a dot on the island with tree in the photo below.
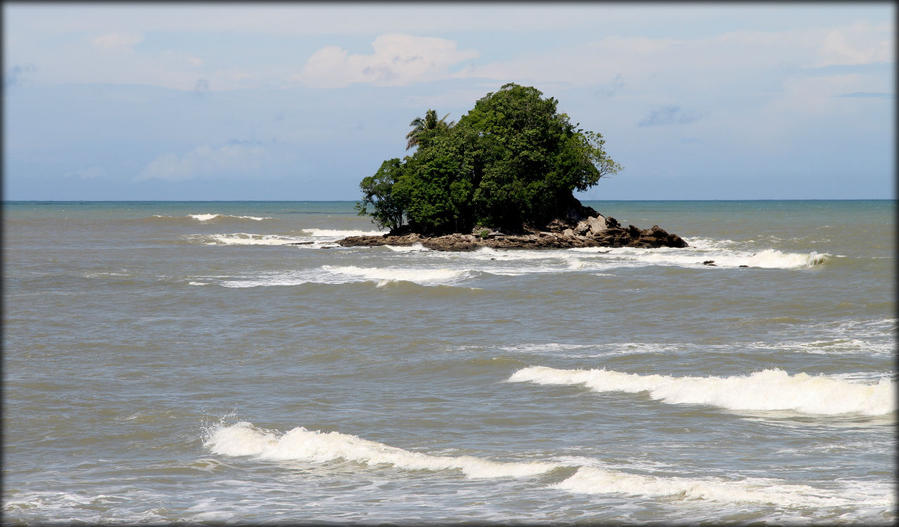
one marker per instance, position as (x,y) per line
(503,176)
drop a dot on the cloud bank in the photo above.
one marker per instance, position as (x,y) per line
(397,60)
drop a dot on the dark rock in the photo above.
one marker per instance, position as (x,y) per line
(709,262)
(575,229)
(557,225)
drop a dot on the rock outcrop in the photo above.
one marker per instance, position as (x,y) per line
(580,228)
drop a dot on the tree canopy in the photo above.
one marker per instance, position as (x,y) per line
(423,128)
(511,161)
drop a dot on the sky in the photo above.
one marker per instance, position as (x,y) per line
(300,101)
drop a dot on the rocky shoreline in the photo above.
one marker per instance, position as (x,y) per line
(583,228)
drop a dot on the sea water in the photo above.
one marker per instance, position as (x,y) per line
(228,361)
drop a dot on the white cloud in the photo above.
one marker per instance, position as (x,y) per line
(117,41)
(859,43)
(206,161)
(704,63)
(397,60)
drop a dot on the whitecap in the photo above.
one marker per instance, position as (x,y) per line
(593,480)
(300,444)
(333,275)
(606,258)
(414,248)
(421,276)
(338,233)
(243,439)
(767,390)
(243,238)
(212,216)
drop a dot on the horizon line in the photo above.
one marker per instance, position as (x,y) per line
(354,200)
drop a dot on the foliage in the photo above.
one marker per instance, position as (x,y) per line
(377,191)
(425,128)
(511,161)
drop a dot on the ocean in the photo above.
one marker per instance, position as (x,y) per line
(228,362)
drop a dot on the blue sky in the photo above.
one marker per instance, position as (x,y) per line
(301,101)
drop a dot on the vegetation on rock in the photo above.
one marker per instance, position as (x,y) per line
(510,163)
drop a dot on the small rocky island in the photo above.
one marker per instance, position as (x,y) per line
(586,229)
(502,177)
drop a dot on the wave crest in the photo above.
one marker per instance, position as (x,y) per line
(334,275)
(243,238)
(592,480)
(338,233)
(766,390)
(299,444)
(208,217)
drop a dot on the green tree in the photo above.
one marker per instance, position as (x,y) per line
(425,128)
(512,161)
(387,209)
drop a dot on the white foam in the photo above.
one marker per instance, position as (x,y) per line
(593,480)
(694,258)
(71,507)
(489,253)
(867,337)
(709,243)
(609,349)
(299,444)
(204,217)
(333,275)
(337,233)
(386,274)
(549,347)
(766,390)
(207,217)
(844,346)
(514,262)
(595,259)
(108,274)
(774,259)
(414,248)
(243,238)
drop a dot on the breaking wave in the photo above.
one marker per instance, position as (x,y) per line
(725,258)
(592,480)
(595,259)
(212,216)
(766,390)
(338,234)
(300,444)
(414,248)
(315,238)
(381,274)
(243,238)
(516,262)
(331,274)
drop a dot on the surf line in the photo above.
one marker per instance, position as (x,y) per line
(243,439)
